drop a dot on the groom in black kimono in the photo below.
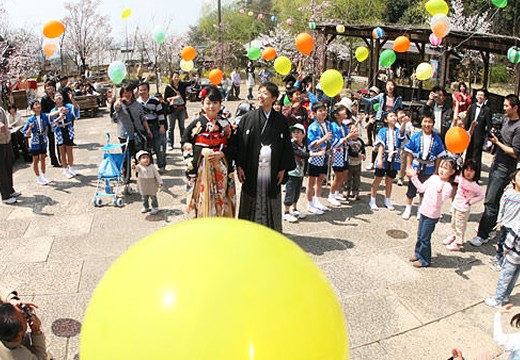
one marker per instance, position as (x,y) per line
(264,155)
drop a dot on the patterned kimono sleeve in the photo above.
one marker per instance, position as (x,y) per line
(313,135)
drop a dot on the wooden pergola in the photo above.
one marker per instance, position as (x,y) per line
(485,44)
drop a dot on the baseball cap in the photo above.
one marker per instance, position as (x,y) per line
(141,153)
(297,126)
(374,89)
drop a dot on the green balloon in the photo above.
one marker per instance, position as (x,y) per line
(254,53)
(117,76)
(159,37)
(375,106)
(387,58)
(286,100)
(499,3)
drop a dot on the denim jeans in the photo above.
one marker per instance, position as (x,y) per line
(507,280)
(423,248)
(293,189)
(159,145)
(146,198)
(178,115)
(498,180)
(501,239)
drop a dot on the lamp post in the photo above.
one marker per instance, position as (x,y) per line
(220,36)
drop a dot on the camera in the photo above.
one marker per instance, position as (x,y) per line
(26,311)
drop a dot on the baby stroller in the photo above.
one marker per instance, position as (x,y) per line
(109,173)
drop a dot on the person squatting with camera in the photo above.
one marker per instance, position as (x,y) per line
(15,318)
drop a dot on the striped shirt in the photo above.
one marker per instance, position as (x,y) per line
(153,110)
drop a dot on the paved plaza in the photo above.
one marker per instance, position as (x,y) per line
(55,247)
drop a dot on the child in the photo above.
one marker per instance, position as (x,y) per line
(388,143)
(425,150)
(148,181)
(437,189)
(294,183)
(356,155)
(277,106)
(295,112)
(510,269)
(403,120)
(508,214)
(37,128)
(468,193)
(320,140)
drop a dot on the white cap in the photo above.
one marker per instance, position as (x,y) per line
(141,153)
(347,103)
(297,126)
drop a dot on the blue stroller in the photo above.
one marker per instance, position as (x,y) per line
(110,172)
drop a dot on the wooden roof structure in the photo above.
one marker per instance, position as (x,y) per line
(486,44)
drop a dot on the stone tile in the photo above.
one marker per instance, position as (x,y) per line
(92,272)
(375,316)
(74,225)
(360,275)
(25,250)
(55,307)
(44,278)
(5,210)
(372,352)
(87,247)
(14,229)
(435,340)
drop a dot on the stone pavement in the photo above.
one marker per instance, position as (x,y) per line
(55,246)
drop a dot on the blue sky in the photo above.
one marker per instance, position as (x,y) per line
(34,13)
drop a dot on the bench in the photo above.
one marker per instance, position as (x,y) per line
(88,102)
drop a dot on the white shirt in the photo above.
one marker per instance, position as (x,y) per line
(437,112)
(477,111)
(426,148)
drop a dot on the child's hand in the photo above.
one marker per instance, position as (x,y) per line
(322,152)
(133,166)
(161,185)
(505,309)
(411,173)
(327,136)
(498,226)
(363,157)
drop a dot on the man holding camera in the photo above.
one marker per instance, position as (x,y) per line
(438,103)
(15,318)
(507,153)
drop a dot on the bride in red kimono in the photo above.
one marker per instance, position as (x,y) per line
(208,153)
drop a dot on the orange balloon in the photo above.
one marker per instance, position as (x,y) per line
(457,140)
(216,76)
(52,29)
(305,43)
(401,44)
(269,53)
(49,49)
(440,29)
(188,53)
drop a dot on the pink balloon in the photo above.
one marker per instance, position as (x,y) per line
(289,21)
(434,40)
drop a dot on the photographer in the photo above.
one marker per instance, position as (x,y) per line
(507,145)
(438,102)
(15,318)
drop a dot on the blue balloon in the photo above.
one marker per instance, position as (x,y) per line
(274,18)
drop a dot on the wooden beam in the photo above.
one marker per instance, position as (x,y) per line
(485,59)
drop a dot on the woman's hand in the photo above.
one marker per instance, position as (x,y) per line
(215,156)
(241,174)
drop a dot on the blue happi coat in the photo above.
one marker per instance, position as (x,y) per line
(393,158)
(339,154)
(67,122)
(415,147)
(38,139)
(314,133)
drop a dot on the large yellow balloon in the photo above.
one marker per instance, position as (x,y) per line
(424,71)
(331,82)
(362,53)
(435,7)
(282,65)
(125,14)
(214,289)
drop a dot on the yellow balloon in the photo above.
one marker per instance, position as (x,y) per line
(282,65)
(214,288)
(186,65)
(424,71)
(362,53)
(331,82)
(125,14)
(435,7)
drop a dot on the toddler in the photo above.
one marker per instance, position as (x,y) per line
(148,181)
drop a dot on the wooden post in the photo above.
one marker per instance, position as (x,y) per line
(485,78)
(517,86)
(444,65)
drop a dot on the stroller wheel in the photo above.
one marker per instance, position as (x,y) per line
(98,202)
(119,202)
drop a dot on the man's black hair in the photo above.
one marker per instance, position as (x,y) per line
(10,326)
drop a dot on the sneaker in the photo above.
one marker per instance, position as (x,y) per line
(15,194)
(388,204)
(370,166)
(290,218)
(478,241)
(298,214)
(333,201)
(154,211)
(314,210)
(400,182)
(493,302)
(320,206)
(493,260)
(162,169)
(448,240)
(454,247)
(72,171)
(506,300)
(373,205)
(340,197)
(406,213)
(41,181)
(10,201)
(68,174)
(47,181)
(497,267)
(144,210)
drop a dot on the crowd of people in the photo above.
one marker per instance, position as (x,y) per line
(297,135)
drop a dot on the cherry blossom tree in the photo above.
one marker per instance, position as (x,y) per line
(87,31)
